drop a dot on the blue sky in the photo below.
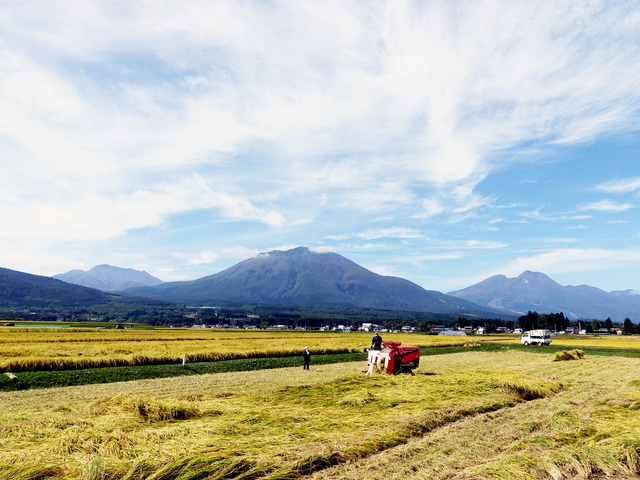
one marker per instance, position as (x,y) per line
(443,142)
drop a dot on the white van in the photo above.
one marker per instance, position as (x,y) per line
(541,337)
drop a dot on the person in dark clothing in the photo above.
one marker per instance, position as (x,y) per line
(306,358)
(376,342)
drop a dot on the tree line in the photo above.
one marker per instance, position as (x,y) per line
(558,322)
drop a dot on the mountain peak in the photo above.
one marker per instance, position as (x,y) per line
(304,276)
(535,291)
(531,274)
(108,278)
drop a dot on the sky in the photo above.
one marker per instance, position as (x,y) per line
(439,141)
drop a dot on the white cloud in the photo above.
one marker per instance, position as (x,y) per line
(572,260)
(304,78)
(473,244)
(605,206)
(338,237)
(430,207)
(212,256)
(624,185)
(434,257)
(537,215)
(395,232)
(97,212)
(384,270)
(119,116)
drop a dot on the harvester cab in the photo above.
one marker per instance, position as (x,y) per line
(393,358)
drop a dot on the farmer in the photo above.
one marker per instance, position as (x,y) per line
(306,358)
(376,342)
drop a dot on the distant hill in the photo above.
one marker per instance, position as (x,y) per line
(626,293)
(18,289)
(303,277)
(534,291)
(108,278)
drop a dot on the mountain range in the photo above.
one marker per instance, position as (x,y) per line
(534,291)
(304,277)
(19,289)
(108,278)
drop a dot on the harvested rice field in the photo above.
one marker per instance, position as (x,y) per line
(505,414)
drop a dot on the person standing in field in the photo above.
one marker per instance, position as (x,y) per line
(376,342)
(306,358)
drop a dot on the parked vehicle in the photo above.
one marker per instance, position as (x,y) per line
(541,337)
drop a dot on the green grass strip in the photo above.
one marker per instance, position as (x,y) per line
(599,351)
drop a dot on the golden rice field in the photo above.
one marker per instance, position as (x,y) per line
(31,349)
(476,415)
(47,349)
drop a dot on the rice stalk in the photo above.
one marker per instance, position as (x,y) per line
(35,472)
(569,355)
(149,409)
(530,389)
(94,469)
(200,467)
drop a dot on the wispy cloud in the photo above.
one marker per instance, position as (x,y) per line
(396,232)
(473,244)
(625,185)
(177,90)
(121,117)
(605,206)
(537,215)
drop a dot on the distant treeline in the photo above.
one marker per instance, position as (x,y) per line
(165,314)
(558,322)
(127,310)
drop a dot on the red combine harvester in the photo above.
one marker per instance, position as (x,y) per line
(394,358)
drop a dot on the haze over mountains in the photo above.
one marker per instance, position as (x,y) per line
(534,291)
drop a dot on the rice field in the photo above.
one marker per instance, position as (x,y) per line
(504,414)
(43,349)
